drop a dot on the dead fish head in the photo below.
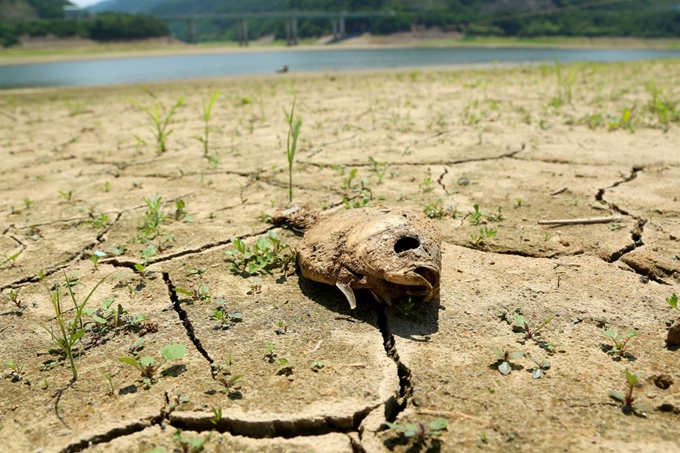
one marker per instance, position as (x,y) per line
(399,251)
(393,252)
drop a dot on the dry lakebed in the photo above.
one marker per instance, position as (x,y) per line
(146,263)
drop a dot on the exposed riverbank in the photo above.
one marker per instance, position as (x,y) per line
(50,50)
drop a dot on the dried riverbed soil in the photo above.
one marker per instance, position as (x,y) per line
(520,144)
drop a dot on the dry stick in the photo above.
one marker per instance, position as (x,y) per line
(585,221)
(559,191)
(452,414)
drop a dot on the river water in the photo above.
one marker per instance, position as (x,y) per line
(156,68)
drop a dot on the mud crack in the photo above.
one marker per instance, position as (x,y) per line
(188,327)
(403,372)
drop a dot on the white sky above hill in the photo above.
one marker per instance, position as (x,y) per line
(84,2)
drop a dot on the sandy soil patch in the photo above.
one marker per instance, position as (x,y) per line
(487,154)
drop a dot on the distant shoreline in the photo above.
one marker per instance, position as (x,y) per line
(95,51)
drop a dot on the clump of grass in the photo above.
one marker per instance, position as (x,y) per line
(268,253)
(148,366)
(159,118)
(620,340)
(207,128)
(69,332)
(291,146)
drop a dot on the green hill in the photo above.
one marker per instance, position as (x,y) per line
(31,9)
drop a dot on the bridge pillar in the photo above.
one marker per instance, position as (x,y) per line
(334,23)
(342,26)
(291,32)
(295,31)
(191,28)
(243,32)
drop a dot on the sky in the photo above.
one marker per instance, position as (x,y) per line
(84,2)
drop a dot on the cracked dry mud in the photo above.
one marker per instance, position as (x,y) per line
(450,139)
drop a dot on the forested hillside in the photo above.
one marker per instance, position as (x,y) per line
(527,18)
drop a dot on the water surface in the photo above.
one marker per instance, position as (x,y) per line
(156,68)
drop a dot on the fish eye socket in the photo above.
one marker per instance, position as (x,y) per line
(406,243)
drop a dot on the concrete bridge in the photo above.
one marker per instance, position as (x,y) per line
(290,18)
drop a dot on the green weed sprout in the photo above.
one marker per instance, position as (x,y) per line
(13,296)
(207,128)
(524,326)
(271,351)
(484,233)
(541,367)
(505,367)
(189,445)
(160,117)
(69,333)
(476,216)
(317,365)
(286,367)
(154,217)
(673,301)
(227,382)
(200,293)
(11,259)
(16,373)
(629,405)
(225,319)
(620,340)
(420,432)
(147,365)
(293,133)
(263,256)
(96,256)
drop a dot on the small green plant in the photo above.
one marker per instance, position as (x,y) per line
(504,357)
(484,233)
(316,366)
(109,317)
(11,259)
(620,340)
(200,293)
(271,351)
(419,432)
(225,319)
(13,296)
(70,332)
(476,216)
(673,301)
(286,368)
(541,367)
(379,168)
(291,145)
(181,213)
(266,254)
(95,257)
(159,117)
(154,217)
(68,196)
(523,325)
(227,382)
(109,379)
(207,128)
(629,404)
(17,372)
(437,210)
(189,445)
(427,185)
(148,366)
(197,270)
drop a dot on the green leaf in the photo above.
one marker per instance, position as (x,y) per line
(505,368)
(173,351)
(129,361)
(438,425)
(99,320)
(537,373)
(236,317)
(519,320)
(618,396)
(146,360)
(609,333)
(632,379)
(498,352)
(516,354)
(673,301)
(631,334)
